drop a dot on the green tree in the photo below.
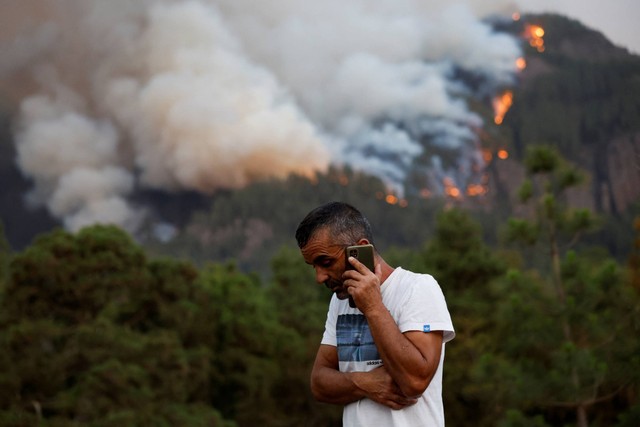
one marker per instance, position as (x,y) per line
(465,268)
(301,305)
(93,334)
(5,254)
(566,329)
(634,258)
(250,347)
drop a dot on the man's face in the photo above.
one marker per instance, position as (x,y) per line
(328,260)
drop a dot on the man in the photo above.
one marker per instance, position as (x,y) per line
(383,359)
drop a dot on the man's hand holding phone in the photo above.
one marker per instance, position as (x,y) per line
(360,277)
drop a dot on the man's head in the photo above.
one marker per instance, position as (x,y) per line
(323,236)
(346,224)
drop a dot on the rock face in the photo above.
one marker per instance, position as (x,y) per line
(615,189)
(623,162)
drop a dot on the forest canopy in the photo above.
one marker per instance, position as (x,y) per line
(96,332)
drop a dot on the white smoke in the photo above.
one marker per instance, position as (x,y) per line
(213,94)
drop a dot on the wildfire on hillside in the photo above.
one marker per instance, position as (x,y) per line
(487,155)
(392,199)
(476,190)
(450,189)
(501,105)
(534,34)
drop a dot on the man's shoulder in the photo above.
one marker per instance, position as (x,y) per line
(402,275)
(403,285)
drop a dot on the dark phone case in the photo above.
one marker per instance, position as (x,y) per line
(364,254)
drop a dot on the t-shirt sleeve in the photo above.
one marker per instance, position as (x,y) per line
(329,336)
(426,309)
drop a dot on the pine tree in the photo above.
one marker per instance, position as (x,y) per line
(566,328)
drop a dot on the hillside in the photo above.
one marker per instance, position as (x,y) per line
(581,95)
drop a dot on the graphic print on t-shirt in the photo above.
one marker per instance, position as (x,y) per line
(355,343)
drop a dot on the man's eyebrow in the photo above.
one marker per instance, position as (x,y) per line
(320,258)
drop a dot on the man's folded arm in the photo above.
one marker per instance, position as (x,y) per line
(411,358)
(329,385)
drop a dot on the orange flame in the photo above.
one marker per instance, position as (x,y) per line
(534,34)
(501,105)
(503,154)
(486,155)
(450,188)
(474,190)
(391,199)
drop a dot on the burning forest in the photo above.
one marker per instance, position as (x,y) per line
(114,98)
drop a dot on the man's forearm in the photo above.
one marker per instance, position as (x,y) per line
(405,363)
(331,386)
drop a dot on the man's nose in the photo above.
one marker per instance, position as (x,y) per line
(321,275)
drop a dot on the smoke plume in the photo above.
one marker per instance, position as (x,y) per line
(203,95)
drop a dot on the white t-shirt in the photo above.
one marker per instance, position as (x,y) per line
(416,303)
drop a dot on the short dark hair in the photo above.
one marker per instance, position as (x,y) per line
(345,222)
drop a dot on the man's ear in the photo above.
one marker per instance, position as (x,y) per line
(363,241)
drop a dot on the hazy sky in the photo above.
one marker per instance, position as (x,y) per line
(616,19)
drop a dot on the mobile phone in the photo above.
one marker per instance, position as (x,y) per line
(364,254)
